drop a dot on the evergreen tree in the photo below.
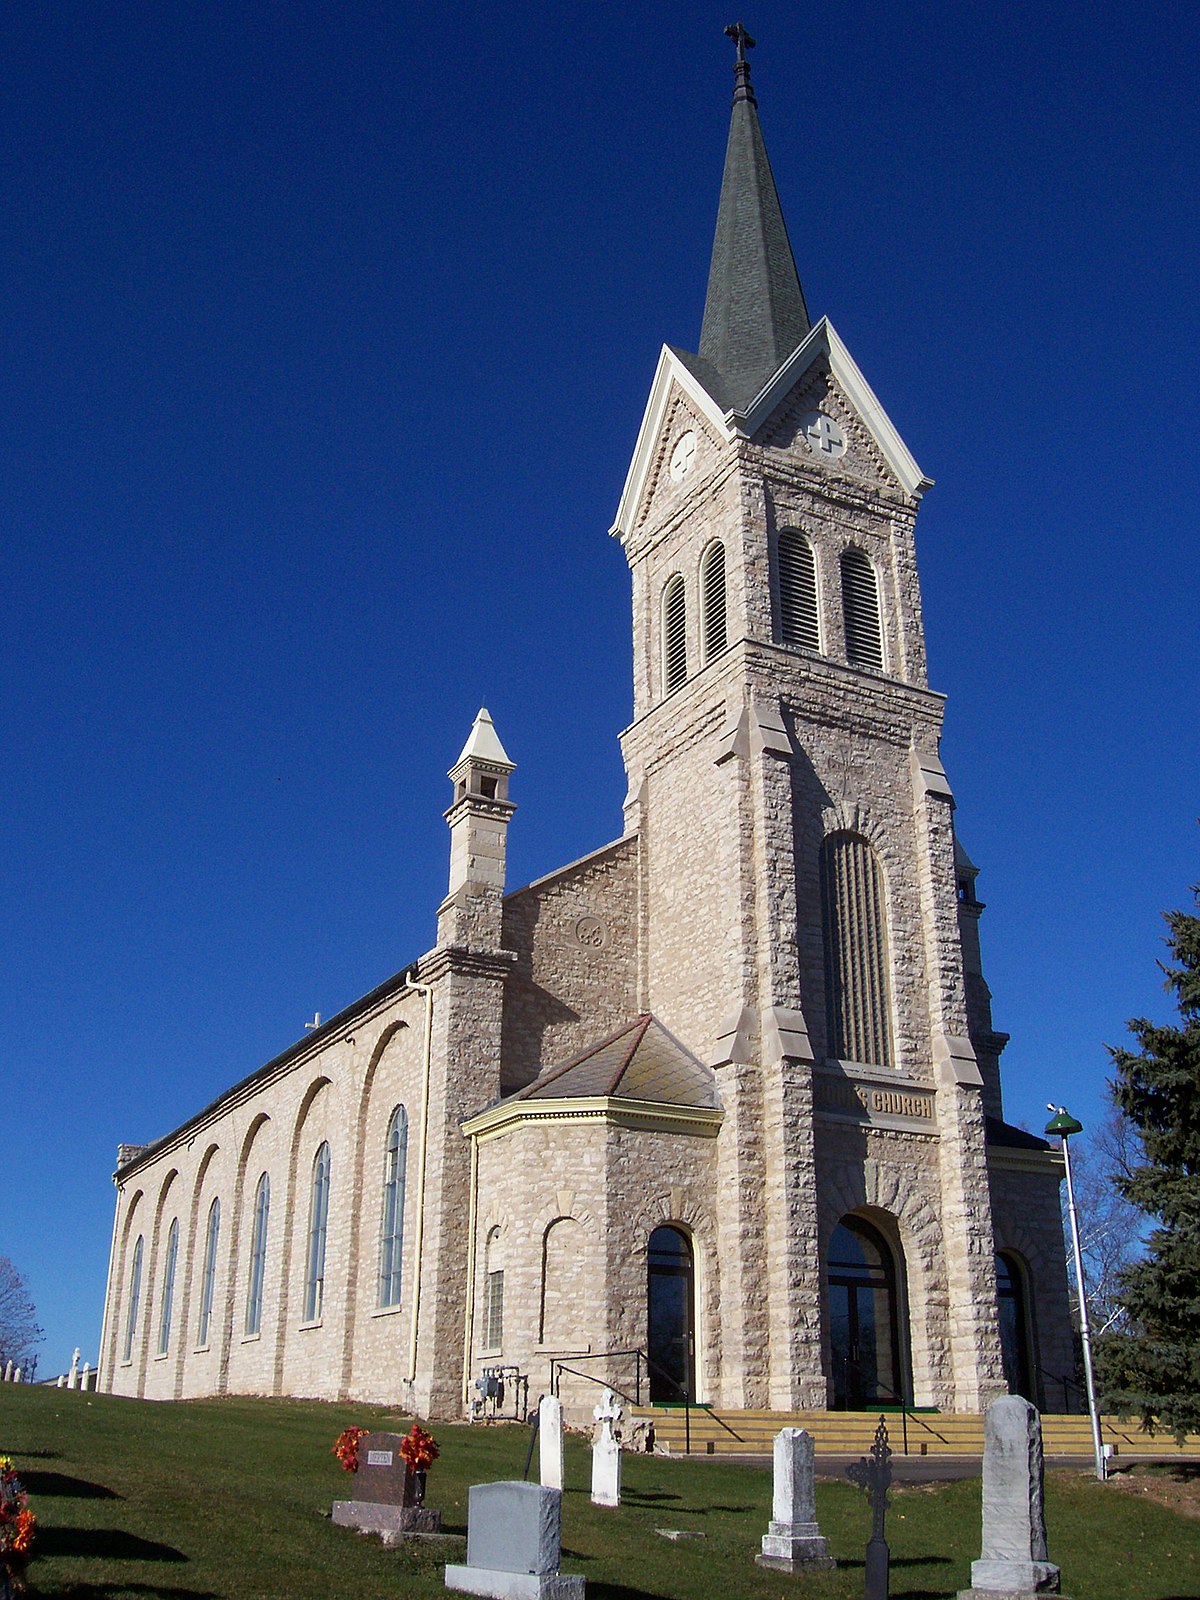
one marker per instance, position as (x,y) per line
(1153,1369)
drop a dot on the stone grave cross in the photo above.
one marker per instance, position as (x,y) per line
(606,1453)
(874,1474)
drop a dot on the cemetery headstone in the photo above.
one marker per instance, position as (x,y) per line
(1014,1562)
(387,1497)
(874,1474)
(8,1371)
(606,1453)
(550,1442)
(794,1540)
(514,1545)
(73,1375)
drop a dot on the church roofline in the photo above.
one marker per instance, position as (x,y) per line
(581,861)
(309,1044)
(822,340)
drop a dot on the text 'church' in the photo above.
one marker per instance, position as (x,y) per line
(725,1092)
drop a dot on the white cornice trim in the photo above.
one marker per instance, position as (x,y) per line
(670,371)
(652,1116)
(823,340)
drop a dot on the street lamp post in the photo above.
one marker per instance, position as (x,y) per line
(1064,1125)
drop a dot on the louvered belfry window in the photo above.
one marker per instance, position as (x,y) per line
(799,621)
(856,951)
(860,609)
(674,634)
(712,585)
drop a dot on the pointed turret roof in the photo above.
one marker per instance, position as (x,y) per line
(754,315)
(483,744)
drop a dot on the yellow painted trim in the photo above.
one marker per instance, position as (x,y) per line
(647,1115)
(469,1315)
(426,992)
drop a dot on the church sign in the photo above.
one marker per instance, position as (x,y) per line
(899,1105)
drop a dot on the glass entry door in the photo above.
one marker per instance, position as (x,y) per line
(670,1319)
(863,1323)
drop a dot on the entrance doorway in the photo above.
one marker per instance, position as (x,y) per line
(1014,1326)
(864,1324)
(670,1320)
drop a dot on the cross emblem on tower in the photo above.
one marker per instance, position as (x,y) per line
(737,32)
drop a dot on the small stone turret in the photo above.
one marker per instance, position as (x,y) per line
(478,816)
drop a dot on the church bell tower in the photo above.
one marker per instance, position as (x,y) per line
(797,850)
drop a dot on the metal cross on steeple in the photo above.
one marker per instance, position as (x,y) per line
(741,67)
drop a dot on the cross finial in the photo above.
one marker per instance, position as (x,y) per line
(741,67)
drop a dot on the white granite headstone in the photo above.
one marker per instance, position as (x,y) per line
(794,1539)
(514,1545)
(550,1442)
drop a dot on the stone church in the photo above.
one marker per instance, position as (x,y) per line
(716,1110)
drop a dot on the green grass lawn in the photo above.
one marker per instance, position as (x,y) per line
(230,1498)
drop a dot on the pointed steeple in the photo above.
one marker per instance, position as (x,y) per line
(754,315)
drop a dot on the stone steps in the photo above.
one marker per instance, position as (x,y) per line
(719,1432)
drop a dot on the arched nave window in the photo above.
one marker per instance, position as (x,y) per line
(318,1217)
(856,952)
(391,1230)
(860,610)
(674,627)
(712,592)
(799,617)
(493,1323)
(135,1294)
(209,1280)
(168,1288)
(258,1255)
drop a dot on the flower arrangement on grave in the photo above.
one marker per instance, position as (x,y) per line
(17,1527)
(345,1447)
(419,1449)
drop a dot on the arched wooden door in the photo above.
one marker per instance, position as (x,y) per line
(864,1318)
(670,1315)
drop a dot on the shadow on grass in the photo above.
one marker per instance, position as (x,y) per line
(106,1591)
(902,1561)
(104,1544)
(58,1483)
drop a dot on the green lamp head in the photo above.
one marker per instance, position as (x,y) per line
(1063,1123)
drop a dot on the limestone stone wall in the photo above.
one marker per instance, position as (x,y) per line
(341,1090)
(566,1208)
(1027,1217)
(574,935)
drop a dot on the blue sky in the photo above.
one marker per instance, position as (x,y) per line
(329,333)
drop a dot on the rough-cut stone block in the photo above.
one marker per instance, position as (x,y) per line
(514,1585)
(369,1517)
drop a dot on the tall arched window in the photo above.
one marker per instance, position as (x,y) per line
(168,1288)
(209,1280)
(135,1295)
(712,592)
(391,1231)
(318,1217)
(856,951)
(493,1323)
(860,610)
(674,624)
(799,618)
(258,1255)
